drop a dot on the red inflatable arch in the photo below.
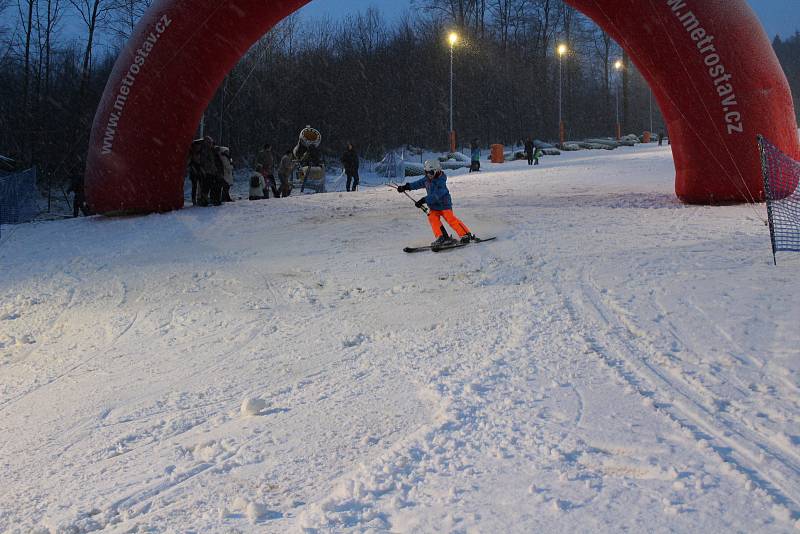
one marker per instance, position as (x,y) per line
(709,62)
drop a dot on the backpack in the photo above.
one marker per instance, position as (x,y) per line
(255,181)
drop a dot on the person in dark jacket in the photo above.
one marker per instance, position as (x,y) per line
(209,167)
(440,203)
(79,201)
(529,150)
(195,168)
(350,163)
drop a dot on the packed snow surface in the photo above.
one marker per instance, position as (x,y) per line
(615,361)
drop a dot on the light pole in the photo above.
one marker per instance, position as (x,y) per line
(618,65)
(562,50)
(453,39)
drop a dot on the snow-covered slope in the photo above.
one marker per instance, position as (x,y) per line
(614,361)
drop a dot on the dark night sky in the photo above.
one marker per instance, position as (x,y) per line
(781,17)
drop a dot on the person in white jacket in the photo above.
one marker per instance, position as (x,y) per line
(257,184)
(227,172)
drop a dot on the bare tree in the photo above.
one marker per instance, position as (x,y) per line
(459,12)
(48,19)
(25,9)
(126,14)
(93,13)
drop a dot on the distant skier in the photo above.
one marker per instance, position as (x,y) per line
(537,153)
(350,163)
(529,150)
(440,203)
(475,156)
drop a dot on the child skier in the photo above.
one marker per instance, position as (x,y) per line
(440,204)
(537,153)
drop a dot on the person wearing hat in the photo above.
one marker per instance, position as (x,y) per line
(440,203)
(224,154)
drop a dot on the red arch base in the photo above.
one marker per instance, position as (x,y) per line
(709,62)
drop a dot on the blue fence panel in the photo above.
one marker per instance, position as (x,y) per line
(19,197)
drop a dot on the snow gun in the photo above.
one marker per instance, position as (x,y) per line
(424,209)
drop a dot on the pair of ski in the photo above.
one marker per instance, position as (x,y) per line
(448,246)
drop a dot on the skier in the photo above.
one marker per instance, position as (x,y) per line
(350,163)
(440,203)
(475,164)
(537,153)
(529,150)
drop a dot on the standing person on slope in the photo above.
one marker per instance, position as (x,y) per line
(530,150)
(440,204)
(350,163)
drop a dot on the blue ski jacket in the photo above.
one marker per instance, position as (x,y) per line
(438,197)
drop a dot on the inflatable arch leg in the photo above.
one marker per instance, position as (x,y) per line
(709,62)
(718,83)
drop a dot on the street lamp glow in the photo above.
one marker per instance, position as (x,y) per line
(618,65)
(562,51)
(453,39)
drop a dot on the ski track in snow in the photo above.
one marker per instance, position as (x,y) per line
(614,361)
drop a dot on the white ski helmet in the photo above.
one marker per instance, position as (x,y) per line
(433,165)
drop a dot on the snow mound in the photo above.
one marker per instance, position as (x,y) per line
(253,406)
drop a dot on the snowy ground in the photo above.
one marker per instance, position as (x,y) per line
(615,361)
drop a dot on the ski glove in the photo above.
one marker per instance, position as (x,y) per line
(419,203)
(402,188)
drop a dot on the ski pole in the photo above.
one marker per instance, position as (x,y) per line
(414,200)
(423,208)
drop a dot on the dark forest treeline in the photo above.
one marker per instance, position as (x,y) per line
(375,83)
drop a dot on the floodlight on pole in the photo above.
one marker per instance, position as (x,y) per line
(453,40)
(618,65)
(562,51)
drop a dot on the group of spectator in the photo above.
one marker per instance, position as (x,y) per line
(211,172)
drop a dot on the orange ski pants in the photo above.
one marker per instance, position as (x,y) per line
(435,218)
